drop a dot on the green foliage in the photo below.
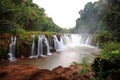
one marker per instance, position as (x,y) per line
(112,18)
(105,37)
(102,15)
(101,27)
(108,62)
(85,67)
(105,68)
(74,63)
(20,31)
(91,17)
(24,42)
(111,51)
(24,14)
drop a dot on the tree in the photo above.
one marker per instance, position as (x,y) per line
(91,17)
(112,16)
(23,14)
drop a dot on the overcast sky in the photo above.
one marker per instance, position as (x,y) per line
(63,12)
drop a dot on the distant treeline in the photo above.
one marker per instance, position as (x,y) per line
(102,15)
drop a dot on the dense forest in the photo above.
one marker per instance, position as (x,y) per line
(20,15)
(102,15)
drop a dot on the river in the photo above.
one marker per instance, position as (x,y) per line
(64,58)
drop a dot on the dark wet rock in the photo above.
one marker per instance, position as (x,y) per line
(115,76)
(2,73)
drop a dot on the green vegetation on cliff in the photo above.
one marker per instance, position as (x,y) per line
(18,15)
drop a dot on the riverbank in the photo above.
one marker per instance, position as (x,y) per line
(29,72)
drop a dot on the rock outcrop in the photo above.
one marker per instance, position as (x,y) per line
(27,72)
(18,72)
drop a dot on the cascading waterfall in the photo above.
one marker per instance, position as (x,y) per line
(12,46)
(85,39)
(43,46)
(47,44)
(66,39)
(59,45)
(55,42)
(42,41)
(40,46)
(77,39)
(33,53)
(88,40)
(62,46)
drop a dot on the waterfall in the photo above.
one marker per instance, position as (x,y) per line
(43,45)
(12,45)
(40,46)
(33,52)
(85,39)
(77,39)
(88,40)
(55,42)
(66,39)
(47,44)
(59,45)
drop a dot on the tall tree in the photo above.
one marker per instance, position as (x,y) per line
(91,17)
(112,15)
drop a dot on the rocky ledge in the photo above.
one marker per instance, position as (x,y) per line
(28,72)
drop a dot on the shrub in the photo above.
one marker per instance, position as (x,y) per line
(85,67)
(104,68)
(111,51)
(108,62)
(104,37)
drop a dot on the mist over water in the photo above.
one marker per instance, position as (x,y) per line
(76,47)
(63,58)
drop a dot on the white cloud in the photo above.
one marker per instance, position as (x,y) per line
(63,12)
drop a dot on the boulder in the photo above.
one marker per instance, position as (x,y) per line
(44,74)
(58,70)
(18,72)
(68,72)
(27,72)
